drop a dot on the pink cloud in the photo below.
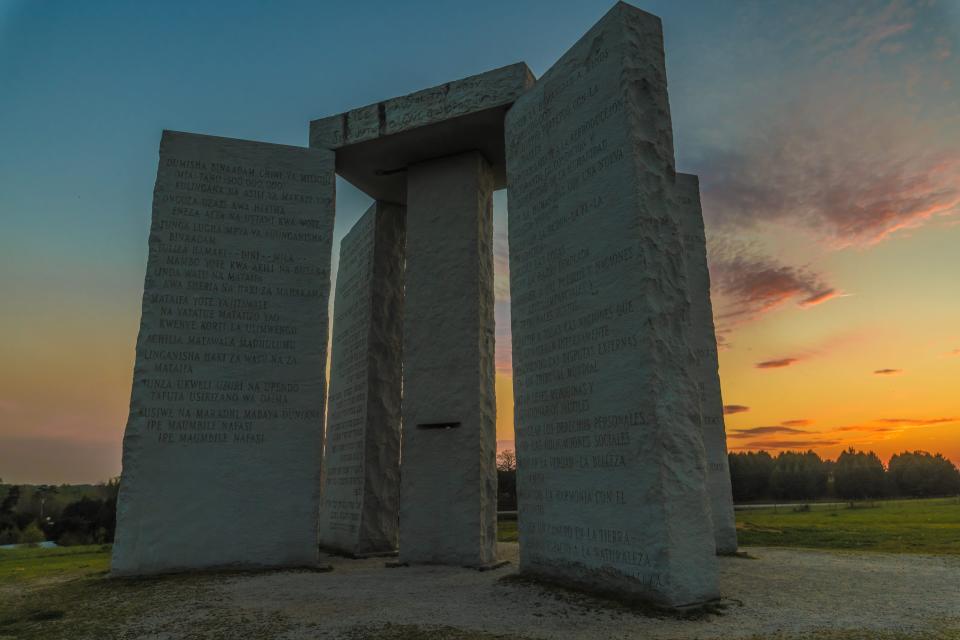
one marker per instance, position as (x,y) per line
(752,284)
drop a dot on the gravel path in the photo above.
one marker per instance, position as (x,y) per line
(792,592)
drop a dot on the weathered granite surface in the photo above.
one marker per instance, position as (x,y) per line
(611,460)
(703,341)
(221,455)
(360,507)
(448,495)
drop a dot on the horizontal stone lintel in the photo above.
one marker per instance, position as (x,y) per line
(375,144)
(496,88)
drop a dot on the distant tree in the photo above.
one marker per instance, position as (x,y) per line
(858,475)
(506,461)
(86,521)
(31,534)
(9,528)
(10,502)
(506,481)
(750,475)
(919,474)
(798,476)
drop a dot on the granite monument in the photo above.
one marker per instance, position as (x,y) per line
(361,465)
(221,454)
(610,459)
(622,475)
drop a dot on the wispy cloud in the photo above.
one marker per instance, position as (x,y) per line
(888,372)
(846,173)
(797,423)
(729,409)
(776,364)
(759,431)
(919,421)
(890,427)
(753,284)
(784,444)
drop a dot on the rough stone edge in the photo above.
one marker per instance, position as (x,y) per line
(329,543)
(718,480)
(684,495)
(487,401)
(384,363)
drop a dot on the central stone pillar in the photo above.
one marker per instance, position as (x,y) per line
(448,467)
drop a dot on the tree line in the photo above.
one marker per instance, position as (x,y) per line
(797,475)
(65,514)
(86,514)
(854,475)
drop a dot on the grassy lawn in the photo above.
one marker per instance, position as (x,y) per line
(897,526)
(507,531)
(25,566)
(65,593)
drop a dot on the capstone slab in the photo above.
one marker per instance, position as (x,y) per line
(221,454)
(448,497)
(703,341)
(610,458)
(361,471)
(375,144)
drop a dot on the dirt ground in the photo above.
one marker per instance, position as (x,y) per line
(779,593)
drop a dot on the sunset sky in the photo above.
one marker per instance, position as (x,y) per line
(826,136)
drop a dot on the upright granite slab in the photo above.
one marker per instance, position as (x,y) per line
(703,341)
(221,455)
(448,497)
(361,472)
(610,458)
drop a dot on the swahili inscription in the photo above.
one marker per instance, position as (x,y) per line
(229,378)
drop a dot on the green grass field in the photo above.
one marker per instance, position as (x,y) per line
(65,593)
(896,526)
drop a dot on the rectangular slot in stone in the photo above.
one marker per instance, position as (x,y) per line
(439,425)
(448,501)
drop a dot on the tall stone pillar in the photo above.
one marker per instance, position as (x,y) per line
(361,472)
(448,494)
(610,458)
(703,341)
(221,454)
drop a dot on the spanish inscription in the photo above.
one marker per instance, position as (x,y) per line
(604,410)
